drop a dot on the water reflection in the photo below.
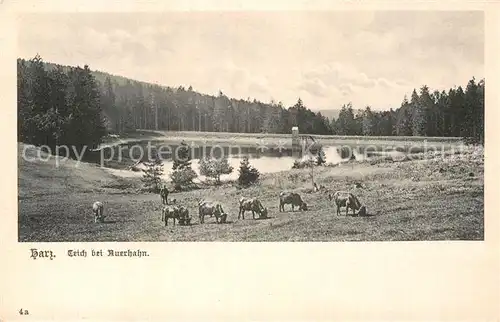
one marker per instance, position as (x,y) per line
(269,161)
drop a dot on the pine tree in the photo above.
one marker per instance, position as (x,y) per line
(182,178)
(346,124)
(480,111)
(60,106)
(152,174)
(184,158)
(474,109)
(368,122)
(247,174)
(457,111)
(427,109)
(417,116)
(25,112)
(404,119)
(108,104)
(182,175)
(321,157)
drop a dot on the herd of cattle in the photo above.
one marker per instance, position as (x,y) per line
(214,209)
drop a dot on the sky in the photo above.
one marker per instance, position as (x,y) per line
(369,58)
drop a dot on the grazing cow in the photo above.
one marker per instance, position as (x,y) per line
(98,210)
(347,200)
(180,213)
(210,208)
(201,202)
(184,218)
(164,195)
(253,205)
(291,198)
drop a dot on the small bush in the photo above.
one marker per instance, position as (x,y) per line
(214,168)
(302,163)
(248,174)
(321,157)
(182,178)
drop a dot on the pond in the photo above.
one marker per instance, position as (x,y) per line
(265,158)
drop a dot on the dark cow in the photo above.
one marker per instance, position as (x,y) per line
(180,213)
(164,195)
(253,205)
(210,208)
(98,211)
(347,200)
(293,199)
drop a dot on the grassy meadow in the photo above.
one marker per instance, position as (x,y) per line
(439,197)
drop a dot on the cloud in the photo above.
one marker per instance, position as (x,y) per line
(326,58)
(333,84)
(336,74)
(346,79)
(314,86)
(346,89)
(237,82)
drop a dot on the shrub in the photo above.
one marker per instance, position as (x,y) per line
(302,163)
(321,157)
(248,174)
(182,178)
(214,168)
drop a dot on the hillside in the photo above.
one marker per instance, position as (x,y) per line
(101,76)
(58,176)
(128,105)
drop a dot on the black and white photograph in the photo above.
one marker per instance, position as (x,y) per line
(251,126)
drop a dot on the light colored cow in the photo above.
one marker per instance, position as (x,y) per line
(253,205)
(349,201)
(98,211)
(211,208)
(180,213)
(293,199)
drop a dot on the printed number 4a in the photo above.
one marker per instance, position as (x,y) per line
(23,312)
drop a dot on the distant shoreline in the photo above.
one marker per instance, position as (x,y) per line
(251,139)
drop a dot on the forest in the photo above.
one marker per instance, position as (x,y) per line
(63,105)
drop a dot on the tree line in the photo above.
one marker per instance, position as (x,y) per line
(58,107)
(133,105)
(453,113)
(73,105)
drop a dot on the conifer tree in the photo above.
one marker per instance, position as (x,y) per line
(247,174)
(321,157)
(152,174)
(183,158)
(183,175)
